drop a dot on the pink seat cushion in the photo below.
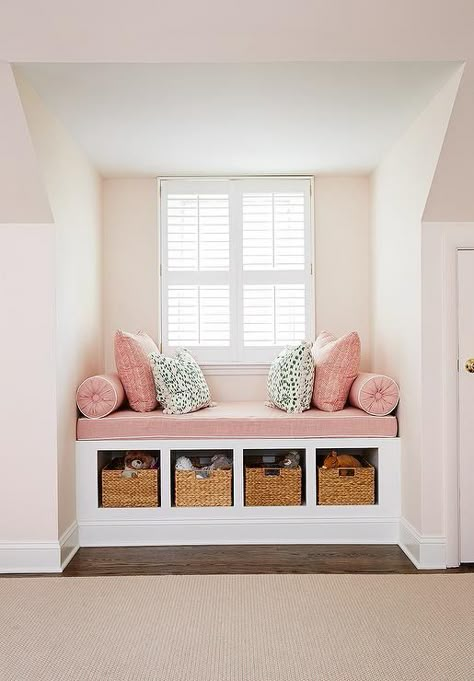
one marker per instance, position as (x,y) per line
(134,369)
(336,362)
(99,396)
(376,394)
(236,420)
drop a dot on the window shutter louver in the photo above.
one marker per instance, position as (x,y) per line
(198,315)
(274,315)
(198,232)
(273,231)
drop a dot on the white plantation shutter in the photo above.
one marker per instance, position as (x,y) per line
(195,254)
(236,267)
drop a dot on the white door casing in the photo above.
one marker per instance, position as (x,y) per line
(466,403)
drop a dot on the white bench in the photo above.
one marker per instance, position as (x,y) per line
(239,427)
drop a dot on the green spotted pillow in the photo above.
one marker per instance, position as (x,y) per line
(291,378)
(180,383)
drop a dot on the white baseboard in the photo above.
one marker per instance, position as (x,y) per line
(221,532)
(69,543)
(39,557)
(425,552)
(29,557)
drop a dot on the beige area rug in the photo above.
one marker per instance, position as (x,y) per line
(238,628)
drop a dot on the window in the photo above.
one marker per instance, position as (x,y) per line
(236,267)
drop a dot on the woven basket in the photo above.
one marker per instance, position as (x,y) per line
(346,486)
(203,488)
(267,486)
(120,490)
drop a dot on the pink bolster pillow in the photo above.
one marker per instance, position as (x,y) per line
(375,394)
(99,396)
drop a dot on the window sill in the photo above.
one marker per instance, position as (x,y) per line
(233,369)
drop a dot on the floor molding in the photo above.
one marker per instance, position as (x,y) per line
(69,543)
(30,557)
(224,532)
(40,556)
(427,552)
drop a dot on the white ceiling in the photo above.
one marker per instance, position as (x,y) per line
(321,117)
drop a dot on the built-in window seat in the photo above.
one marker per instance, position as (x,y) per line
(241,431)
(236,420)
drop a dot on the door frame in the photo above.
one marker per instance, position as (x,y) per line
(446,239)
(460,373)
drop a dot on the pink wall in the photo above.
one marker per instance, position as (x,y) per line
(342,257)
(50,302)
(28,503)
(400,189)
(440,242)
(131,261)
(23,197)
(74,192)
(451,197)
(29,498)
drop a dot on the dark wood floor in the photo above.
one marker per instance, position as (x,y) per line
(212,560)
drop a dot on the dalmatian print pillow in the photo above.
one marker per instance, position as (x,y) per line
(291,378)
(180,383)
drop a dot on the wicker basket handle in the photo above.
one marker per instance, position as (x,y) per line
(348,472)
(202,474)
(129,474)
(271,472)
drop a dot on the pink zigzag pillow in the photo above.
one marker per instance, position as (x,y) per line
(133,366)
(336,363)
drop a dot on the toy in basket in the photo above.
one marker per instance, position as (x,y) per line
(335,460)
(135,461)
(131,481)
(345,480)
(203,481)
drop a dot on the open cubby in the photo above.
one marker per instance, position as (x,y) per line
(106,458)
(201,489)
(273,476)
(368,454)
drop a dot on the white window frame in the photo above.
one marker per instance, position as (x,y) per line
(241,360)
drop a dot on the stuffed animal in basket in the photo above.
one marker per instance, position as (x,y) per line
(184,464)
(136,461)
(335,460)
(220,462)
(290,460)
